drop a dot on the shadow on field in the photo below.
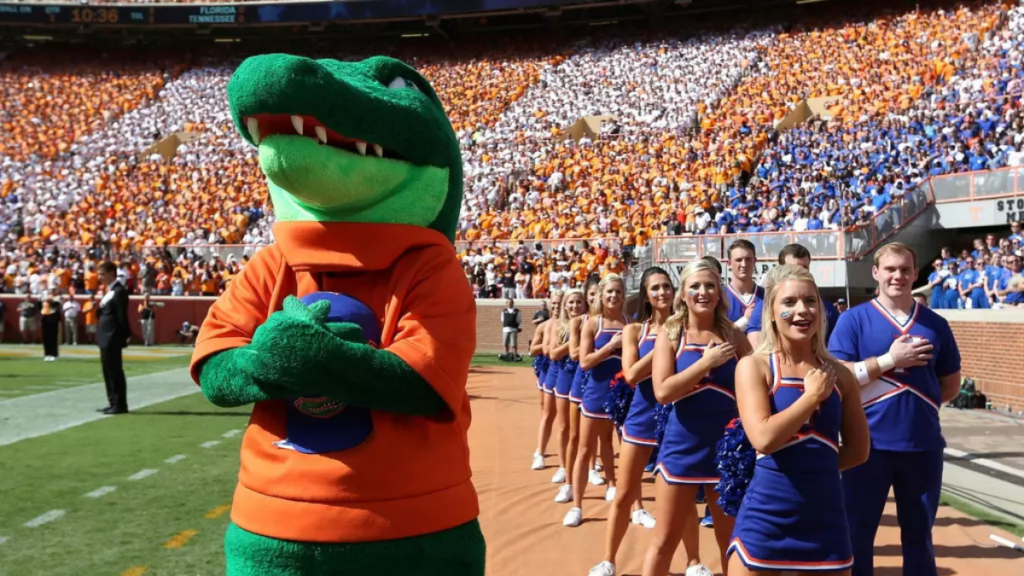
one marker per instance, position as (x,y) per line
(187,413)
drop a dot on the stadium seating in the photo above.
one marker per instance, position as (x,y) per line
(687,141)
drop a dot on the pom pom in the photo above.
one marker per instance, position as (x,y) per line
(735,458)
(571,365)
(661,414)
(617,403)
(538,362)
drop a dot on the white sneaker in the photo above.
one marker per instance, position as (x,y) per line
(564,494)
(538,462)
(573,517)
(698,570)
(605,568)
(559,476)
(598,467)
(595,478)
(609,494)
(643,518)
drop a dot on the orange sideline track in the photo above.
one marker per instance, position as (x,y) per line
(523,524)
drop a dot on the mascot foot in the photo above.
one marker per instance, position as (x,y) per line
(459,551)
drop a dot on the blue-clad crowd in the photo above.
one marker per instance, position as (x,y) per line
(830,174)
(989,276)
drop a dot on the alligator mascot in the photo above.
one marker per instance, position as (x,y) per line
(352,335)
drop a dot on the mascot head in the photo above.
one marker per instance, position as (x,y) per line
(339,141)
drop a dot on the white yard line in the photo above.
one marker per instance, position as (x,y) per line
(3,539)
(985,462)
(101,492)
(48,412)
(175,459)
(143,474)
(44,518)
(209,444)
(231,433)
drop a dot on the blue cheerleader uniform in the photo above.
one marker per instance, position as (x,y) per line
(792,516)
(640,427)
(576,388)
(551,378)
(697,421)
(566,375)
(601,376)
(544,363)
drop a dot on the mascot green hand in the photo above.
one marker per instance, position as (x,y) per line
(352,335)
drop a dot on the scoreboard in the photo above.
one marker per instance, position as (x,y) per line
(228,14)
(106,15)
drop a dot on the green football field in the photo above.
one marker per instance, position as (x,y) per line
(144,493)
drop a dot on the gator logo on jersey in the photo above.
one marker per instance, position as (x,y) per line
(322,407)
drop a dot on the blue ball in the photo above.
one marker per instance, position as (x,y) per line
(348,309)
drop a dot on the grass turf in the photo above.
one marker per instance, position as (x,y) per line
(125,531)
(979,513)
(128,527)
(24,376)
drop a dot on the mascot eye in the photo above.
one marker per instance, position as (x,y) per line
(398,83)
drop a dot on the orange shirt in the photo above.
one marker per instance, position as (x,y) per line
(411,476)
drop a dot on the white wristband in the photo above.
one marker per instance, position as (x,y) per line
(885,362)
(860,369)
(741,323)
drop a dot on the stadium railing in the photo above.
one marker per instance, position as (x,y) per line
(980,185)
(851,243)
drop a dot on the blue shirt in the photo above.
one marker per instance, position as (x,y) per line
(737,305)
(902,406)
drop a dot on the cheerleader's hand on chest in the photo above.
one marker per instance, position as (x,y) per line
(717,354)
(819,383)
(908,351)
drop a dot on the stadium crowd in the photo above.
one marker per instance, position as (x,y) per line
(690,143)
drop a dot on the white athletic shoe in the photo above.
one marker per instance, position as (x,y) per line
(564,494)
(698,570)
(595,478)
(609,494)
(538,462)
(605,568)
(573,517)
(598,467)
(559,476)
(643,518)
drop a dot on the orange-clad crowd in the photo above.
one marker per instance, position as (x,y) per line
(686,119)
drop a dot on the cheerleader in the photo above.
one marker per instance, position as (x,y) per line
(694,360)
(541,347)
(795,401)
(600,351)
(639,431)
(576,396)
(573,306)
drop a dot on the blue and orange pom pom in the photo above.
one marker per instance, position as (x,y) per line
(618,402)
(735,458)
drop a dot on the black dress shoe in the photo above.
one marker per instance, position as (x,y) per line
(104,409)
(115,411)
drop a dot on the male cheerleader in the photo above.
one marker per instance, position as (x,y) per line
(742,293)
(797,255)
(908,365)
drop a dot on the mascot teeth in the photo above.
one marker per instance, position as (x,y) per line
(254,129)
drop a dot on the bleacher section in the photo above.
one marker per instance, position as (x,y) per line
(710,131)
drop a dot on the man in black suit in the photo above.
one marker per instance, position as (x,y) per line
(112,335)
